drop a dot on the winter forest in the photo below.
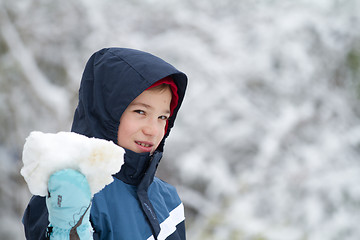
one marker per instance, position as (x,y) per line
(267,143)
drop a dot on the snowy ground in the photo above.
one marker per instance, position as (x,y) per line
(267,143)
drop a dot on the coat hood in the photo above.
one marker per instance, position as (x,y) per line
(112,79)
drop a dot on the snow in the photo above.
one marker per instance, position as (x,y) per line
(46,153)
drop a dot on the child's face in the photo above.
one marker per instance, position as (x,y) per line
(142,125)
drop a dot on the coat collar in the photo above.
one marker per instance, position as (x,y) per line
(136,167)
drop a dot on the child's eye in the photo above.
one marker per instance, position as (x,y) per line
(139,112)
(163,117)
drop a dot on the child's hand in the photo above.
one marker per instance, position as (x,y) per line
(68,203)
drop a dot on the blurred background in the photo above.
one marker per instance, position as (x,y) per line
(267,144)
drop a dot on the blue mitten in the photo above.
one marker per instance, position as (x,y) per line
(68,203)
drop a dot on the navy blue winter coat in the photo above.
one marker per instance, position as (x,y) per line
(136,205)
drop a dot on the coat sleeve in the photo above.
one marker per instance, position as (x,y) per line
(35,219)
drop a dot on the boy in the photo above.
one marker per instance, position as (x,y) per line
(131,98)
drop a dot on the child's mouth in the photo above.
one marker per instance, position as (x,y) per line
(143,144)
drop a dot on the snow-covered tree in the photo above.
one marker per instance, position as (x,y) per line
(266,145)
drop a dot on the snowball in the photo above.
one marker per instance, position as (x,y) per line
(46,153)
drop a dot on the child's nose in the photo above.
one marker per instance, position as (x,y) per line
(151,128)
